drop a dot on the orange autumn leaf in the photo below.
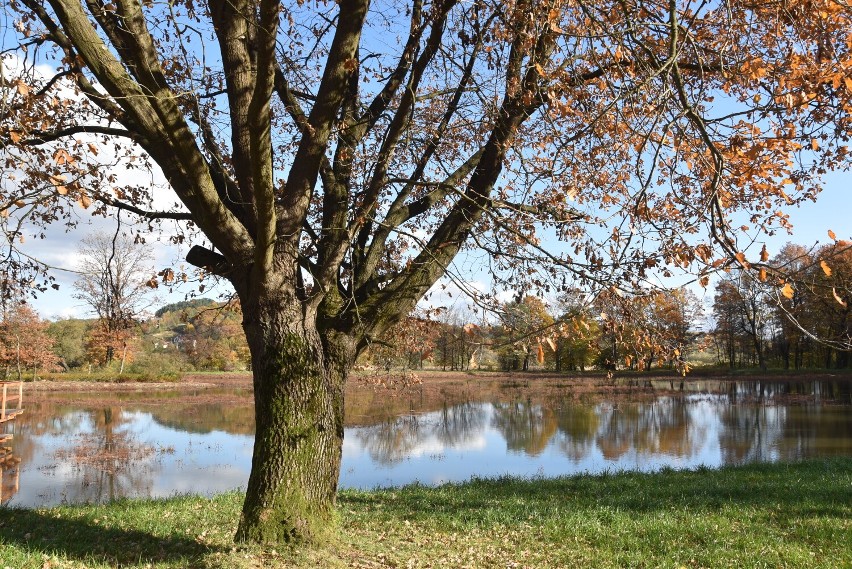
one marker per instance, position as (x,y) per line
(839,300)
(764,254)
(59,183)
(540,354)
(787,291)
(831,235)
(61,156)
(825,268)
(762,275)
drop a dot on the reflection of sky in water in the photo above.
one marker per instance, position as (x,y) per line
(452,444)
(177,462)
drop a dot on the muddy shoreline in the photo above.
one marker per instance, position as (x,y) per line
(426,379)
(371,394)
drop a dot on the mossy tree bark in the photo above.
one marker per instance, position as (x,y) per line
(299,375)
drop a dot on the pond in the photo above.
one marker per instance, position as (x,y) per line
(89,448)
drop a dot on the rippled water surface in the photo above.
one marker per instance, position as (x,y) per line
(89,451)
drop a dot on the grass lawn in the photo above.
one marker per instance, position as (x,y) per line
(796,515)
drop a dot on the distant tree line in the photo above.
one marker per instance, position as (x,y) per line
(806,324)
(755,323)
(612,332)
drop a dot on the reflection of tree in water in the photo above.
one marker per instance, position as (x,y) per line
(659,427)
(760,432)
(234,418)
(111,462)
(812,430)
(43,417)
(578,426)
(458,424)
(393,440)
(525,426)
(749,432)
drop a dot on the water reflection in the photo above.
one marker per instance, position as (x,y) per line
(93,451)
(394,440)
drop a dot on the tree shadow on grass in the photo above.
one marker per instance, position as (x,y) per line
(85,539)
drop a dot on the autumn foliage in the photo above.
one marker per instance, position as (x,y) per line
(24,343)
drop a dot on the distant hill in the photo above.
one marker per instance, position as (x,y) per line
(184,305)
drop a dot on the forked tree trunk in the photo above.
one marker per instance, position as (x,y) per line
(298,391)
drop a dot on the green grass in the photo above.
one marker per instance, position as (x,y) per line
(796,515)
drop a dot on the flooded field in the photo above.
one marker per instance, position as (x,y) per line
(87,446)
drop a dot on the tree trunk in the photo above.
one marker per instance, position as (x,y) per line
(298,390)
(18,356)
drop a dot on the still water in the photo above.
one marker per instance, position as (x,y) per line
(94,450)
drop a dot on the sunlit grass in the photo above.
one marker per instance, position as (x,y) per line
(755,516)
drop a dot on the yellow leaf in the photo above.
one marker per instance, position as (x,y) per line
(551,344)
(787,291)
(825,268)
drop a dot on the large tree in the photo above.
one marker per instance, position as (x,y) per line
(113,276)
(337,156)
